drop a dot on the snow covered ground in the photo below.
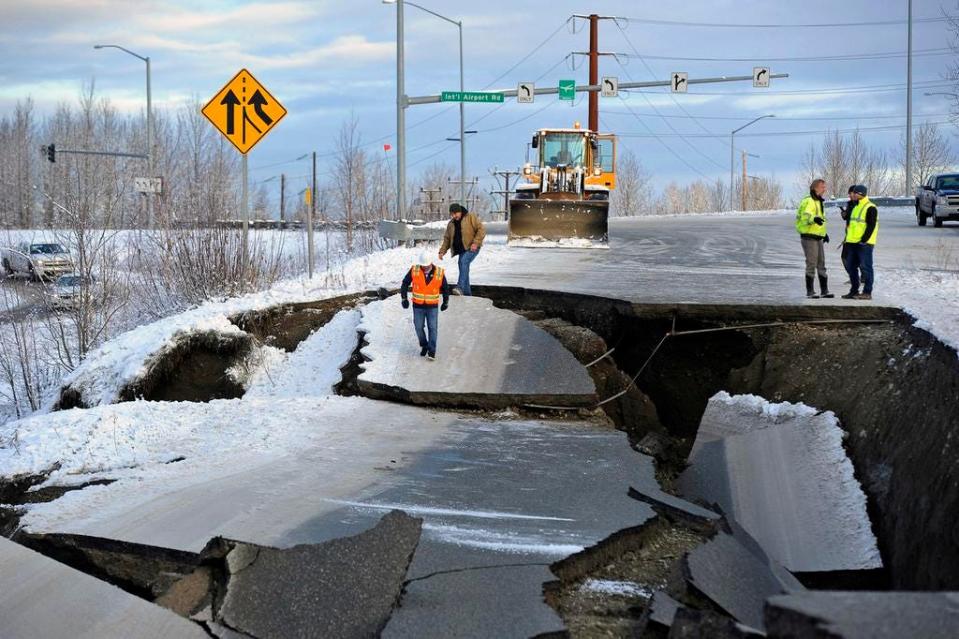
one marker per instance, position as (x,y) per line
(135,441)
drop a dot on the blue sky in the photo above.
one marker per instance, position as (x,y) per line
(324,60)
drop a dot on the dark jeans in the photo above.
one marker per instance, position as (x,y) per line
(859,257)
(465,259)
(425,320)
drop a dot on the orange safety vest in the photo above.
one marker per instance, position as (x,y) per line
(427,293)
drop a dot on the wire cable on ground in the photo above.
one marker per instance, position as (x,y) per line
(674,333)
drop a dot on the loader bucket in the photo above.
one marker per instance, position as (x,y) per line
(559,223)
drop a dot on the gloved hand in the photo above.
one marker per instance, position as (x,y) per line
(406,303)
(818,220)
(444,306)
(826,238)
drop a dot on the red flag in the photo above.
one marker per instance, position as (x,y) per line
(387,147)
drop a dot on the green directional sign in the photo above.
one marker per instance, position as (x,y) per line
(567,89)
(470,96)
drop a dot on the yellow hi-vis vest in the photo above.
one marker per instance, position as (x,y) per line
(857,223)
(427,293)
(809,209)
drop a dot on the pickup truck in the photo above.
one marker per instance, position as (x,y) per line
(938,198)
(37,259)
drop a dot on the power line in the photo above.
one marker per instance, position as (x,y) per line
(528,55)
(740,118)
(876,88)
(821,25)
(662,142)
(888,127)
(833,58)
(669,125)
(672,97)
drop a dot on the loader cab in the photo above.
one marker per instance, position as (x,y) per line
(562,149)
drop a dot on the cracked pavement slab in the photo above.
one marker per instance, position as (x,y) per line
(41,597)
(346,587)
(486,357)
(864,615)
(786,479)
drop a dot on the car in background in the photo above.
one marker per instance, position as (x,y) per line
(68,291)
(938,198)
(40,260)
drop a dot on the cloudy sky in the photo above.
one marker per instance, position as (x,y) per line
(326,59)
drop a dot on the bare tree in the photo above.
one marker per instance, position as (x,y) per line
(633,192)
(931,154)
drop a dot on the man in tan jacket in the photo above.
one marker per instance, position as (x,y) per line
(464,235)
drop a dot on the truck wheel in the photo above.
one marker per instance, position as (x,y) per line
(920,217)
(936,221)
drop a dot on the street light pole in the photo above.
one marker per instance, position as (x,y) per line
(732,155)
(909,104)
(149,152)
(402,103)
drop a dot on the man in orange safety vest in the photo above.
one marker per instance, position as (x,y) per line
(428,284)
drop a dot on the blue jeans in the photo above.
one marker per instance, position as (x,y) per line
(859,257)
(465,259)
(428,316)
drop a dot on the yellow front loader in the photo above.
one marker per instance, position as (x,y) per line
(565,200)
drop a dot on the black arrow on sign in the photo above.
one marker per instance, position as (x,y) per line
(230,100)
(525,89)
(759,76)
(257,100)
(609,83)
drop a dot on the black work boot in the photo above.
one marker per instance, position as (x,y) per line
(824,288)
(810,290)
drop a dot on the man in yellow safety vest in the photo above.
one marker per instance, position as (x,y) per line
(811,225)
(429,285)
(861,232)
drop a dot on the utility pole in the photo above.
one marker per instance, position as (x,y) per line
(593,71)
(909,104)
(400,117)
(282,200)
(745,184)
(310,214)
(745,194)
(593,54)
(430,201)
(505,192)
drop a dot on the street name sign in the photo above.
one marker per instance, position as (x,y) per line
(470,96)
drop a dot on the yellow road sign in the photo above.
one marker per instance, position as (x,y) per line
(244,111)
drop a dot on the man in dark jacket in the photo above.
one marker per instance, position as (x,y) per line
(862,229)
(464,235)
(429,284)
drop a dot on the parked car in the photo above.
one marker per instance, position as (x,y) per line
(938,198)
(38,259)
(67,291)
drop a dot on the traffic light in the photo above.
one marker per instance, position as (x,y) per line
(52,152)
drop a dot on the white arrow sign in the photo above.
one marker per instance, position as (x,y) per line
(148,185)
(760,77)
(609,87)
(679,81)
(525,92)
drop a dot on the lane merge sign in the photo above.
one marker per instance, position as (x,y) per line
(471,96)
(244,111)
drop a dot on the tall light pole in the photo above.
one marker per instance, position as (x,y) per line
(401,104)
(909,103)
(146,59)
(732,156)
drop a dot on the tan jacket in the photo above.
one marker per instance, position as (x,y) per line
(473,233)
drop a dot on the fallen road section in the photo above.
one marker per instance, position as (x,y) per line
(864,615)
(486,358)
(40,597)
(781,472)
